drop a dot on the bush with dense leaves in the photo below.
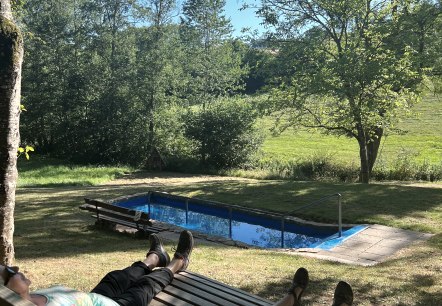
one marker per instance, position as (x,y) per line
(224,133)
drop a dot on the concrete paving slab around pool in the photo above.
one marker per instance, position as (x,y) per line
(374,244)
(368,247)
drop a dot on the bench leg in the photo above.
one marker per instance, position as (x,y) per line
(104,224)
(142,234)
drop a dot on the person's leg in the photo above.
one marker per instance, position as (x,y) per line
(143,291)
(118,281)
(343,295)
(299,283)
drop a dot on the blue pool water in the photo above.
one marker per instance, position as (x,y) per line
(252,229)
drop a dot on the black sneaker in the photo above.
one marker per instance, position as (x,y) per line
(156,247)
(343,294)
(184,248)
(300,280)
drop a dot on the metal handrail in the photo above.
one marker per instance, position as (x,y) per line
(339,196)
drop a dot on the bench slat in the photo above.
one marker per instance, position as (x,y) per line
(117,211)
(168,300)
(195,289)
(124,210)
(204,292)
(223,288)
(188,297)
(120,216)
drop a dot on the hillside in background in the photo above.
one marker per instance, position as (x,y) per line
(420,142)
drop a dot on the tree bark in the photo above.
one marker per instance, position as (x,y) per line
(364,174)
(11,57)
(373,148)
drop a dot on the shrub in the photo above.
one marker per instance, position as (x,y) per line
(224,133)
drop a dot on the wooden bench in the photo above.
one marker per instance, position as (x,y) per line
(187,288)
(106,214)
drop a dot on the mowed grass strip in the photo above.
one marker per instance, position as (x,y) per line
(56,242)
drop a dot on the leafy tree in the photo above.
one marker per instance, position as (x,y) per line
(11,56)
(49,70)
(158,72)
(78,79)
(226,127)
(340,71)
(260,63)
(213,66)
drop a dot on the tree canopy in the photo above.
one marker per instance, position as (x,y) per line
(347,68)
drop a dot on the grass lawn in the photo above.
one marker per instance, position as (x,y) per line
(40,170)
(56,244)
(422,142)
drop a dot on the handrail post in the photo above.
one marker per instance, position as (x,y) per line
(187,211)
(340,214)
(230,222)
(149,195)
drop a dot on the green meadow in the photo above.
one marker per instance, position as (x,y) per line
(420,140)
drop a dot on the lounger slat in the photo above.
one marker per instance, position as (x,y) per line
(205,292)
(10,298)
(164,299)
(195,289)
(189,298)
(225,289)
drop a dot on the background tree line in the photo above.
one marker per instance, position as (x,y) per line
(108,81)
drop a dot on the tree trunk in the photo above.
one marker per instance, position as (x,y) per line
(364,174)
(11,56)
(373,148)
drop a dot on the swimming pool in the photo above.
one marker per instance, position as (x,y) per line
(249,226)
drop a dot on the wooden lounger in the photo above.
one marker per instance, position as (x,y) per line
(187,288)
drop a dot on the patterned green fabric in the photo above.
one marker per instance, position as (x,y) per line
(63,296)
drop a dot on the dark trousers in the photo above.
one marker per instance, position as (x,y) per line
(134,286)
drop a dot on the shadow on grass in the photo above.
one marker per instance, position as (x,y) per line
(371,285)
(49,224)
(46,216)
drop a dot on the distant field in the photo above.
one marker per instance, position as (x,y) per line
(422,142)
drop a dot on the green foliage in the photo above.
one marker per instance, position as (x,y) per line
(224,133)
(25,151)
(340,70)
(405,168)
(212,63)
(261,64)
(94,93)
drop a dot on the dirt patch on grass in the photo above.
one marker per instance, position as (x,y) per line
(414,184)
(170,178)
(177,179)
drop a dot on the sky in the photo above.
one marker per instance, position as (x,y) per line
(241,19)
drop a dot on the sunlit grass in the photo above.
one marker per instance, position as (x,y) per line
(42,171)
(56,244)
(422,140)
